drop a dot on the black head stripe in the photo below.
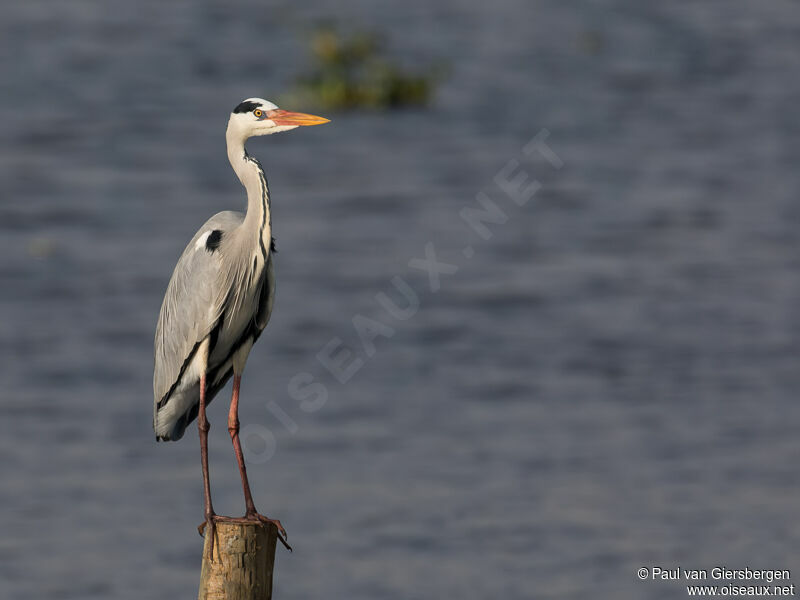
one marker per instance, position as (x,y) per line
(246,107)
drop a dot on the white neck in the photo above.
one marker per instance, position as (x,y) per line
(258,220)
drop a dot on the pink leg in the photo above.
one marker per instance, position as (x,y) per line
(203,426)
(233,428)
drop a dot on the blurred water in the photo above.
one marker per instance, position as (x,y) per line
(609,382)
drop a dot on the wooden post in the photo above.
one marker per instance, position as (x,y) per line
(244,554)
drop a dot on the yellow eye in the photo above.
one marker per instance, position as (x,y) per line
(257,112)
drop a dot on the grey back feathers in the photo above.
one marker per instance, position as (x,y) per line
(213,293)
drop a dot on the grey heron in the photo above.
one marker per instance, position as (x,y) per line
(217,303)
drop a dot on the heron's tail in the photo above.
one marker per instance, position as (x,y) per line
(176,431)
(171,420)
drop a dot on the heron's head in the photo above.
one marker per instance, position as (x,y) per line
(256,116)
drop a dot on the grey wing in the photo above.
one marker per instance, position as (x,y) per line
(191,307)
(267,298)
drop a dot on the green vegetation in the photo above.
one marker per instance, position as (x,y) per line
(351,72)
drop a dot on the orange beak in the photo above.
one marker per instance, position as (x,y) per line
(285,117)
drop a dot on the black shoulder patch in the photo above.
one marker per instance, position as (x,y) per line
(213,240)
(245,107)
(272,248)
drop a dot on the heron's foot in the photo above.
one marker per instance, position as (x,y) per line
(259,518)
(209,525)
(253,517)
